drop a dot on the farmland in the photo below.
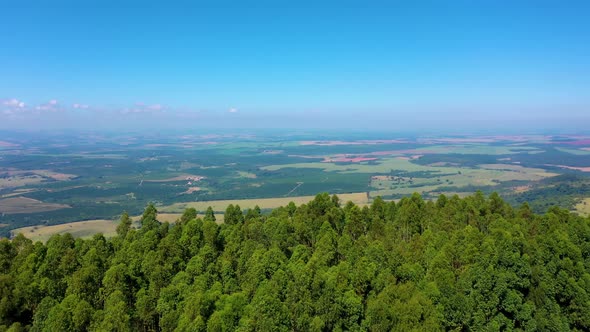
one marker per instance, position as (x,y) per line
(85,228)
(583,207)
(48,180)
(263,203)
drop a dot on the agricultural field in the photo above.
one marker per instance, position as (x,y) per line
(263,203)
(53,179)
(583,207)
(86,228)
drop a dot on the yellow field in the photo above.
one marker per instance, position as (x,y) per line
(263,203)
(583,207)
(77,229)
(88,228)
(169,214)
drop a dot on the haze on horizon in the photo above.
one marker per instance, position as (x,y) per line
(425,65)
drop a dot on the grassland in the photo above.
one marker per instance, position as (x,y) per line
(583,207)
(88,228)
(263,203)
(77,229)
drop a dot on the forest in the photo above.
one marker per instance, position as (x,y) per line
(450,264)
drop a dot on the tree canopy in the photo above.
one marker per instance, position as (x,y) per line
(452,264)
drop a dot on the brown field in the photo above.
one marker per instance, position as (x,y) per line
(16,205)
(88,228)
(18,178)
(263,203)
(191,190)
(521,189)
(381,177)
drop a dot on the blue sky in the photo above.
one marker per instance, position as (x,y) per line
(388,65)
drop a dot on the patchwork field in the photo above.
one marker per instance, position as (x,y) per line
(59,179)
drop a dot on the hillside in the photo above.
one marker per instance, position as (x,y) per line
(449,264)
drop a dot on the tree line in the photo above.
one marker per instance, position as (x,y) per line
(457,264)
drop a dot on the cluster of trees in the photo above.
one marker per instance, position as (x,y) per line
(564,191)
(451,264)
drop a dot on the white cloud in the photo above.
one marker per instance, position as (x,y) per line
(233,110)
(143,108)
(80,106)
(13,103)
(51,106)
(155,107)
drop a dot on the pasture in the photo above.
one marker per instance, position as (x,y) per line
(263,203)
(88,228)
(583,207)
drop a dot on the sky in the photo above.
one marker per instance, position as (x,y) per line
(476,65)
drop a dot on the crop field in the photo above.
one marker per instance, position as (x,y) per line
(87,228)
(263,203)
(77,229)
(58,179)
(583,207)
